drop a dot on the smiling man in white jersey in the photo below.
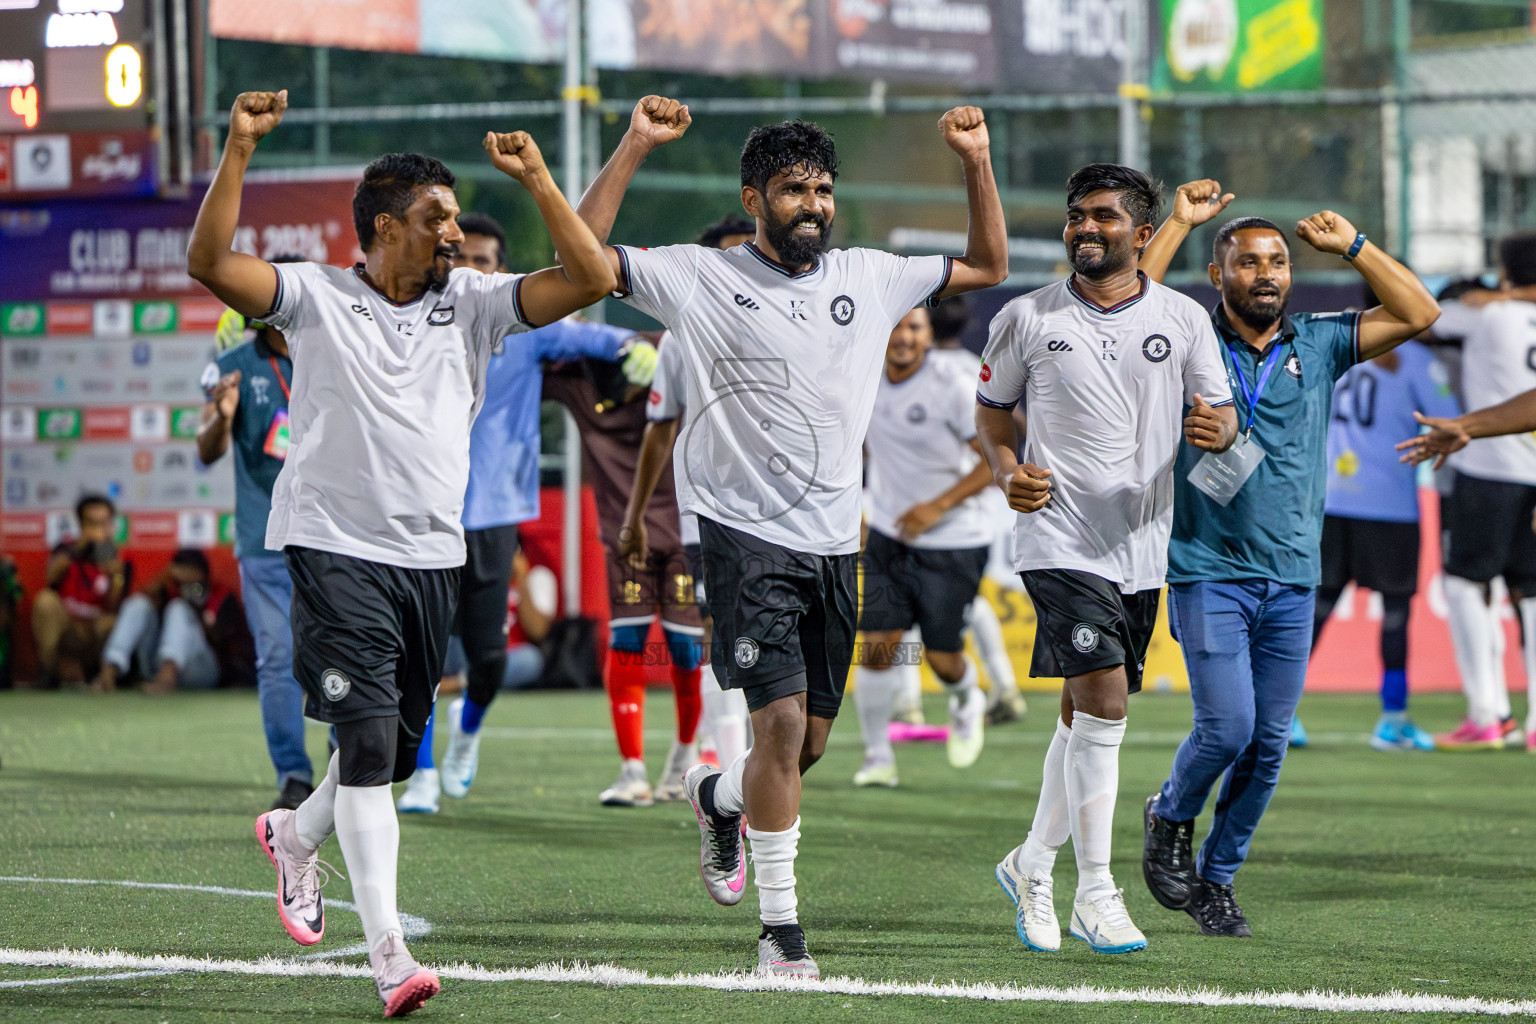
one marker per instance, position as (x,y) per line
(929,535)
(1106,363)
(784,340)
(389,365)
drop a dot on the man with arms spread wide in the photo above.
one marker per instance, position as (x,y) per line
(1244,562)
(389,364)
(784,341)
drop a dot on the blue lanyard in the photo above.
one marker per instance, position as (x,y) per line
(1252,395)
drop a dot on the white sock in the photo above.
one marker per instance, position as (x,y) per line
(909,675)
(1050,828)
(728,798)
(969,680)
(1498,686)
(1093,780)
(873,693)
(988,632)
(773,872)
(315,818)
(1472,625)
(1528,621)
(725,711)
(370,841)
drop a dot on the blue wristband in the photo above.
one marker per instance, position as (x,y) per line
(1354,250)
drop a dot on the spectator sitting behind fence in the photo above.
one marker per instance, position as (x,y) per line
(182,630)
(85,583)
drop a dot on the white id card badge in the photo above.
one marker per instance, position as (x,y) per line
(1222,476)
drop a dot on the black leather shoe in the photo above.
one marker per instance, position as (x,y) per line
(1214,908)
(1166,862)
(293,793)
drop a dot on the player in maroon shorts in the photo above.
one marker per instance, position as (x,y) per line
(611,419)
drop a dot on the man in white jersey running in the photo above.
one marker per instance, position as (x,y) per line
(1107,363)
(389,364)
(783,340)
(929,535)
(1488,518)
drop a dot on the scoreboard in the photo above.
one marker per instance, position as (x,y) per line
(77,98)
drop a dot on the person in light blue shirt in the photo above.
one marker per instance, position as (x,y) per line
(1371,525)
(1243,561)
(503,492)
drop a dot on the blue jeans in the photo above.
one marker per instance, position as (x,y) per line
(1245,644)
(268,591)
(143,639)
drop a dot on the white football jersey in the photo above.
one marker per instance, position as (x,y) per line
(1498,362)
(781,371)
(383,397)
(666,403)
(1104,392)
(918,447)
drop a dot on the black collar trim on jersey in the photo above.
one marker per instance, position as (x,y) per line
(781,268)
(358,268)
(1117,307)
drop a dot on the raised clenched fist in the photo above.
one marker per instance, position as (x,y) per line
(515,154)
(255,114)
(658,120)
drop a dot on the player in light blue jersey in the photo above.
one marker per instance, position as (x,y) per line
(1371,526)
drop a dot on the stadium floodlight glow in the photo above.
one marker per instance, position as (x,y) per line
(95,28)
(17,73)
(17,5)
(90,6)
(125,77)
(24,104)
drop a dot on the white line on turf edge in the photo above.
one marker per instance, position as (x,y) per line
(1391,1002)
(413,926)
(32,982)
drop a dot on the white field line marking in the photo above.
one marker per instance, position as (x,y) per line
(30,982)
(413,926)
(579,973)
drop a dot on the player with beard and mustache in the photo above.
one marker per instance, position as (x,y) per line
(1115,372)
(389,369)
(783,340)
(1244,562)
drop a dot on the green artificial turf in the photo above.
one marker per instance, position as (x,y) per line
(1371,873)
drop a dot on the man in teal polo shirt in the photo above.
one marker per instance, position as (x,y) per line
(247,410)
(1244,559)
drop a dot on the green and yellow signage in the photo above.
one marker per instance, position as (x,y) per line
(1239,46)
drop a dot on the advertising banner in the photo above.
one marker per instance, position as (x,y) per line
(1238,46)
(1062,46)
(138,250)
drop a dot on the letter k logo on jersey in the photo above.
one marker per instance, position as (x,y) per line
(797,309)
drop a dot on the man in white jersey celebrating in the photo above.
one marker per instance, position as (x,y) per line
(1107,363)
(389,364)
(783,340)
(1488,526)
(929,535)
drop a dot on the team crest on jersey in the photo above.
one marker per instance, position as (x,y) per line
(1084,637)
(842,310)
(442,316)
(1293,365)
(1156,348)
(916,414)
(746,651)
(335,685)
